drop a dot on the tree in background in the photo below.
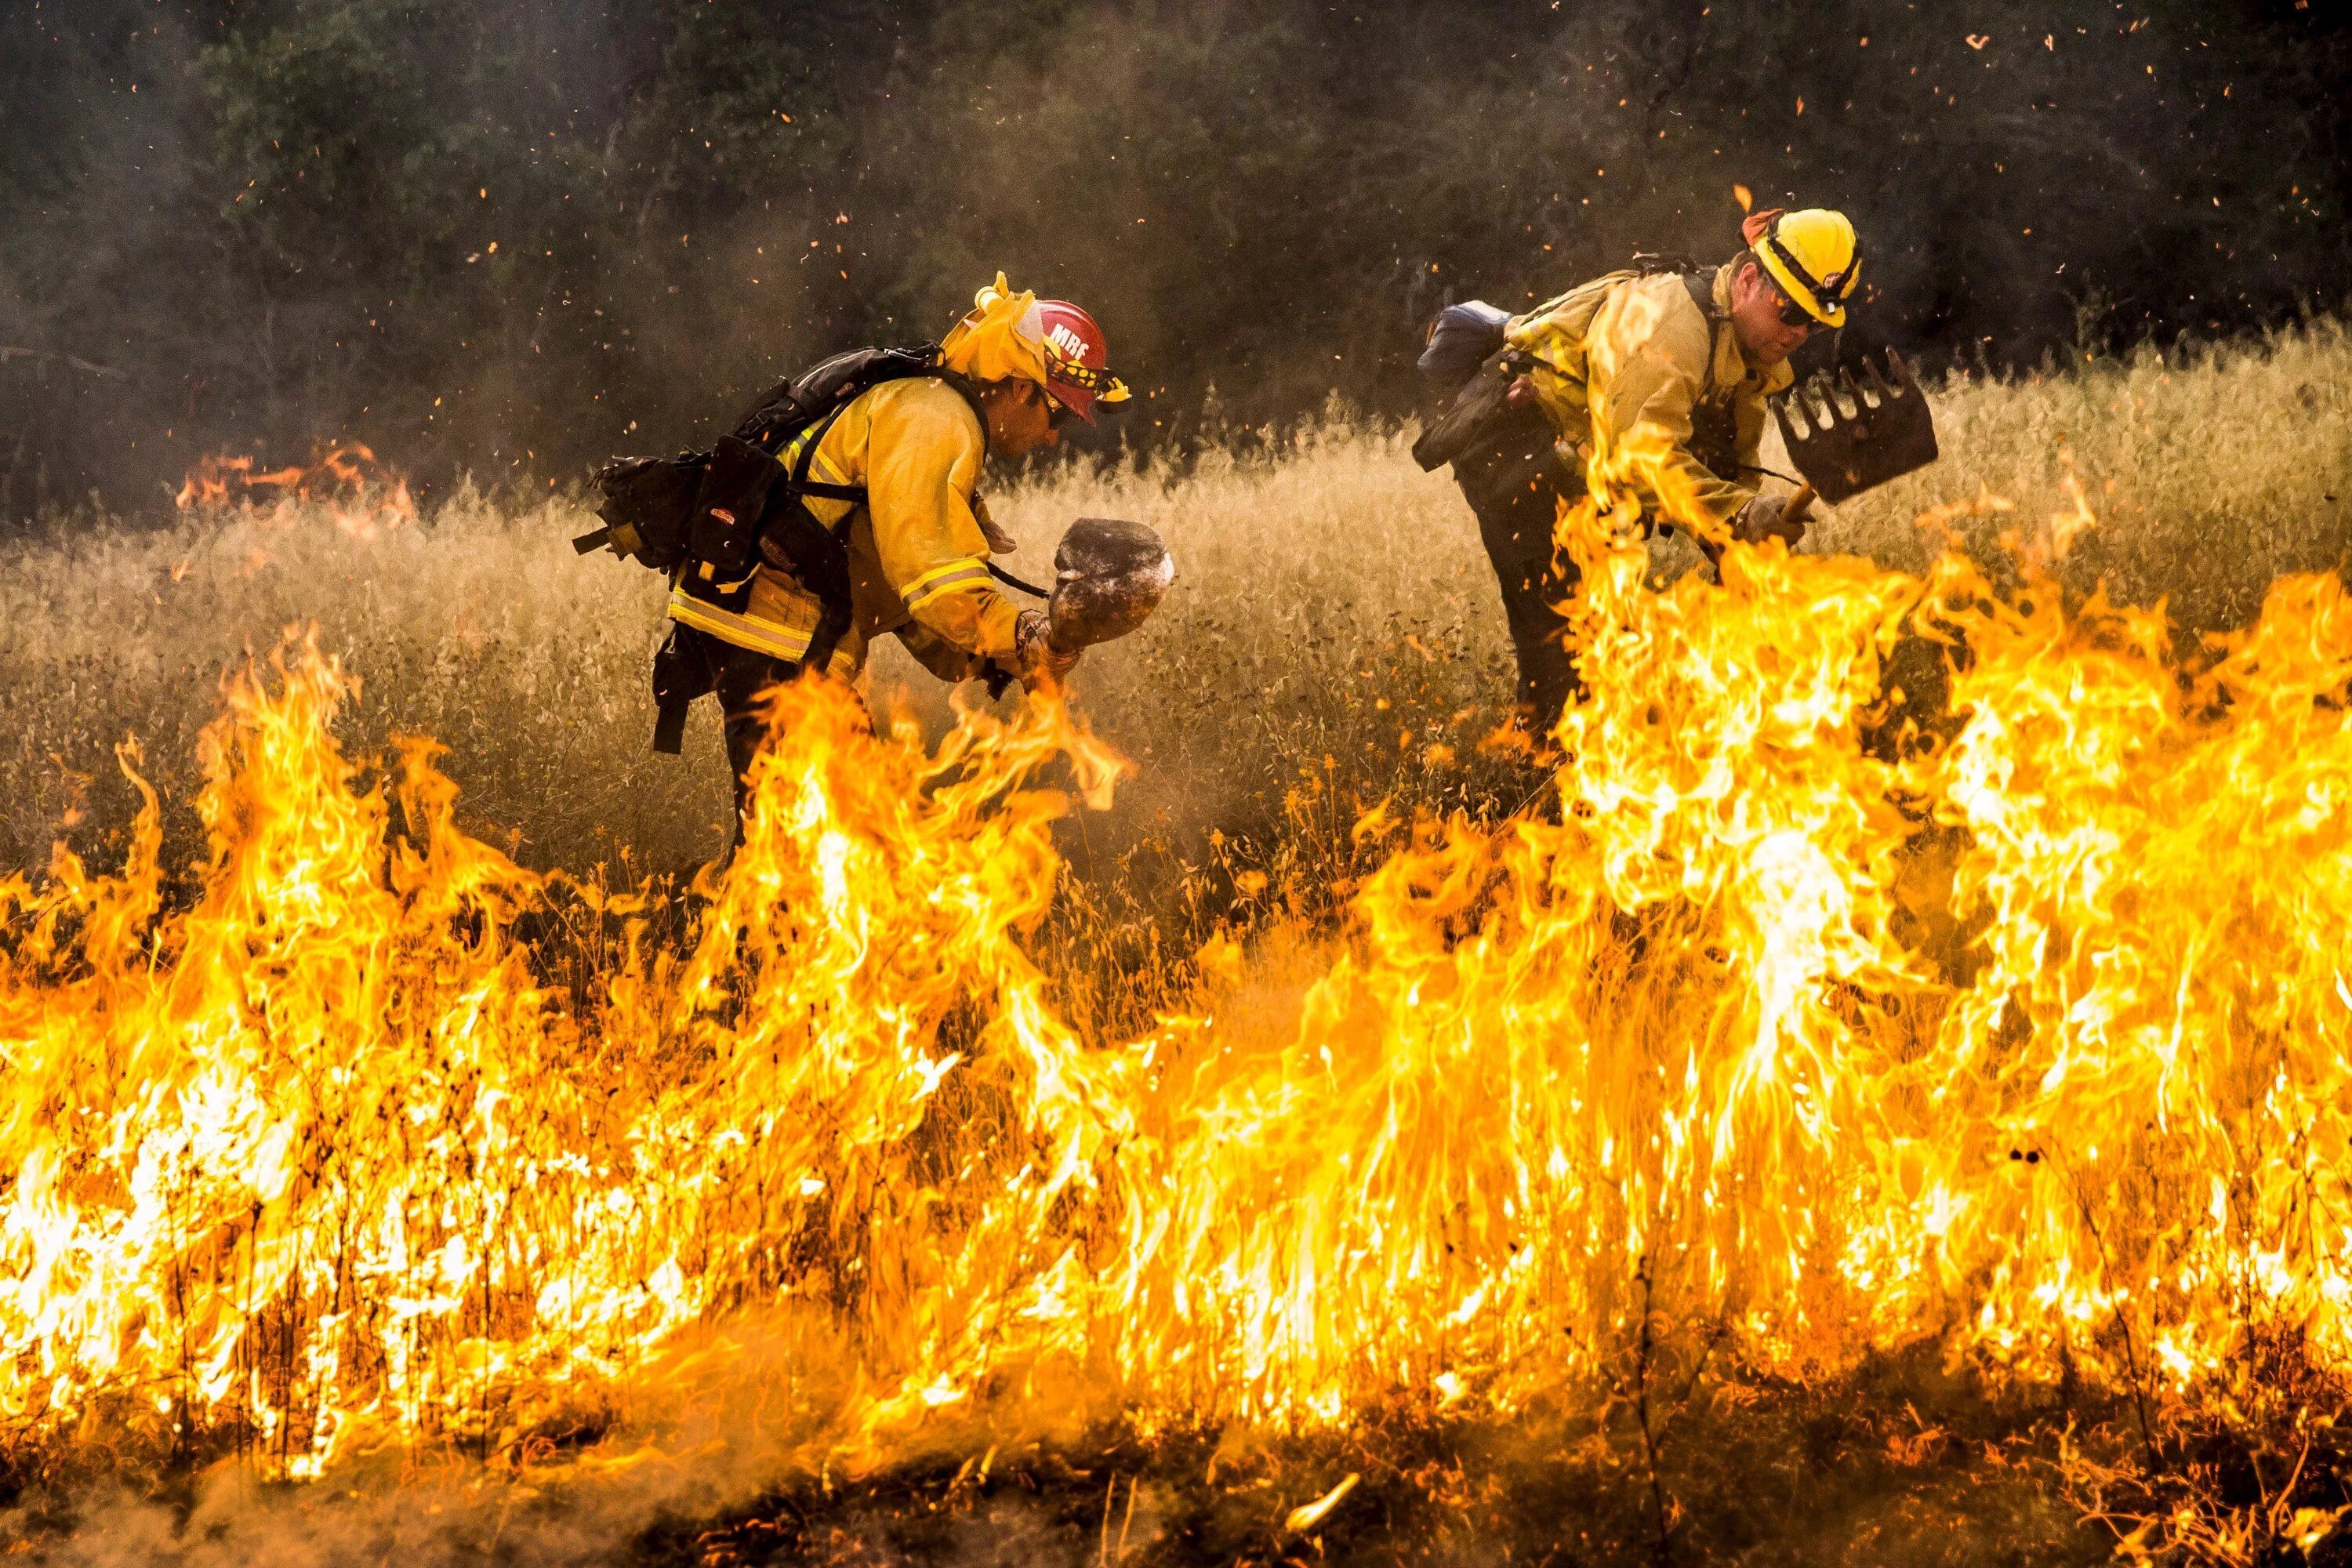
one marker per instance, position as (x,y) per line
(514,236)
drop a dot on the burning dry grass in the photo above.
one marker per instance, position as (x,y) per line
(1665,1122)
(1323,574)
(2211,474)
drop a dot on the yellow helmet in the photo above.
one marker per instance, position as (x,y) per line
(1814,256)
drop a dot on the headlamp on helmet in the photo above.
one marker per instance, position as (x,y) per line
(1815,259)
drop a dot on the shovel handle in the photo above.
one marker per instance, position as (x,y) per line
(1800,505)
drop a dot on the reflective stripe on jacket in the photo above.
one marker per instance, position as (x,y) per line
(1632,355)
(918,559)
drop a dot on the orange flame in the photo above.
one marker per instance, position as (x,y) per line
(360,498)
(2026,1038)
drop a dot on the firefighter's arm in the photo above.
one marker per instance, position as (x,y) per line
(1780,517)
(1643,393)
(938,655)
(923,461)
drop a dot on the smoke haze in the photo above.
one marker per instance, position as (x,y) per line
(514,238)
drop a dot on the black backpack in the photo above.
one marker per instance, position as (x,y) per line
(707,512)
(710,518)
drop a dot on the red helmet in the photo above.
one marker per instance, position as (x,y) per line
(1077,365)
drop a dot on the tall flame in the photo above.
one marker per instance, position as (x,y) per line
(2026,1036)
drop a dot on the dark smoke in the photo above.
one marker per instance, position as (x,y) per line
(260,225)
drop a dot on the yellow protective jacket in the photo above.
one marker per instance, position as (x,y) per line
(1632,355)
(917,556)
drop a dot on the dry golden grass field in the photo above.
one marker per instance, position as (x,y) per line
(1334,617)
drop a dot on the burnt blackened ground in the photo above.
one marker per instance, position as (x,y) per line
(1899,1463)
(1903,1461)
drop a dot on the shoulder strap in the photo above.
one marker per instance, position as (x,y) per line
(810,439)
(1700,286)
(895,368)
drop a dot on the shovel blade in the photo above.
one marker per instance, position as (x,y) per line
(1847,435)
(1109,576)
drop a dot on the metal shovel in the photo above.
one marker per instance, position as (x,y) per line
(1848,442)
(1109,576)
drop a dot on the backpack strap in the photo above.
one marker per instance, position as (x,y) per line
(798,483)
(826,493)
(818,555)
(1701,287)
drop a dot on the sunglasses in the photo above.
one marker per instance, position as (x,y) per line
(1791,313)
(1059,415)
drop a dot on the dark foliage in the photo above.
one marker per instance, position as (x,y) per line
(517,235)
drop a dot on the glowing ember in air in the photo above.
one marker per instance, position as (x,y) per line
(2025,1038)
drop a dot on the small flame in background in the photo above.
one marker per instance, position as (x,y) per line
(361,496)
(2029,1041)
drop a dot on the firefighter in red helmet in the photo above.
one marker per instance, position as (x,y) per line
(905,457)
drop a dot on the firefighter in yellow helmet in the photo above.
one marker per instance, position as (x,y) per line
(1671,362)
(904,459)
